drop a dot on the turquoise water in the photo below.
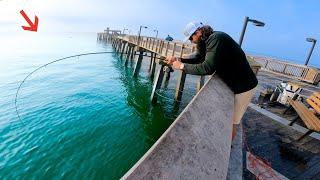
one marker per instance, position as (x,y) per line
(84,117)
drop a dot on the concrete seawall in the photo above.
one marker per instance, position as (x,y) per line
(197,144)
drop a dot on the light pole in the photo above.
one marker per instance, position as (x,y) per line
(246,20)
(124,30)
(156,33)
(314,41)
(140,33)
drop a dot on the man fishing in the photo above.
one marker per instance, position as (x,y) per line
(218,53)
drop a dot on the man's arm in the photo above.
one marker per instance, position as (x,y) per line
(207,66)
(193,58)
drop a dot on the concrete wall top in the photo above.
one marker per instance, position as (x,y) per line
(197,144)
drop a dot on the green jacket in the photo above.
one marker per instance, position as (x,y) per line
(225,57)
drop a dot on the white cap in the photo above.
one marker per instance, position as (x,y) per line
(191,28)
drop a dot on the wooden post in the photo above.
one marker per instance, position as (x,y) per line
(149,46)
(284,69)
(123,48)
(166,77)
(132,53)
(181,81)
(180,86)
(138,63)
(157,84)
(167,48)
(161,47)
(266,64)
(128,55)
(153,66)
(174,48)
(127,49)
(118,46)
(151,57)
(153,43)
(200,83)
(193,49)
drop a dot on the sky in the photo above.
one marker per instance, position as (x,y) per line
(288,22)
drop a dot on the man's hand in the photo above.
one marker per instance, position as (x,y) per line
(177,65)
(170,59)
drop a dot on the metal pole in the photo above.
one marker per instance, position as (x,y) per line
(124,30)
(156,33)
(139,35)
(311,50)
(243,29)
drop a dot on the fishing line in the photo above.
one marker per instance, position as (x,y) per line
(57,60)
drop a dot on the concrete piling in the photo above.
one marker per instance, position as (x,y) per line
(138,63)
(200,83)
(157,84)
(153,65)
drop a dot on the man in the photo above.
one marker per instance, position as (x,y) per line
(218,53)
(169,38)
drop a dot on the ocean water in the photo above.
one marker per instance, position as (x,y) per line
(81,118)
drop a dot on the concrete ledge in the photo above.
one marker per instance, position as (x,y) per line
(197,144)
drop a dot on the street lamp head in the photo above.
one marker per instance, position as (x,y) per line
(311,40)
(258,23)
(144,27)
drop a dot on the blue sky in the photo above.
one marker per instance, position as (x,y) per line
(288,23)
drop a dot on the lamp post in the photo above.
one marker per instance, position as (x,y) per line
(156,33)
(314,41)
(124,30)
(140,33)
(246,20)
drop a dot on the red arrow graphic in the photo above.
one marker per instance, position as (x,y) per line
(32,26)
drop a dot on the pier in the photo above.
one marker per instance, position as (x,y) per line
(201,136)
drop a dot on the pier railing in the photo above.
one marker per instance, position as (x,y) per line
(179,49)
(161,46)
(300,72)
(170,48)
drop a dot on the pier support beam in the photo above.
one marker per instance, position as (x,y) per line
(133,53)
(180,86)
(151,57)
(138,63)
(166,76)
(153,65)
(123,48)
(157,84)
(200,83)
(119,46)
(128,55)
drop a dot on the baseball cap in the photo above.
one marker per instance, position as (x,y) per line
(191,28)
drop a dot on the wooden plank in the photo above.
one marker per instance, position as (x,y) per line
(311,121)
(313,105)
(303,113)
(307,116)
